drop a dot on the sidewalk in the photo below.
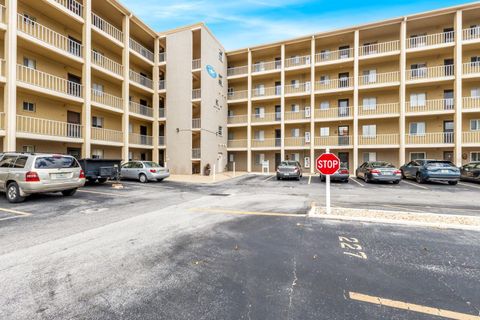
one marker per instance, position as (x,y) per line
(195,178)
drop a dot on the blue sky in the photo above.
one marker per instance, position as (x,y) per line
(239,24)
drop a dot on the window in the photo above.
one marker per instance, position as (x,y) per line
(29,63)
(475,156)
(418,100)
(28,106)
(369,156)
(260,112)
(475,61)
(369,103)
(20,162)
(475,93)
(28,149)
(260,90)
(7,161)
(231,135)
(417,156)
(369,76)
(295,157)
(324,79)
(417,128)
(29,19)
(220,55)
(295,132)
(259,135)
(97,122)
(325,132)
(130,128)
(259,66)
(259,158)
(324,105)
(369,131)
(97,154)
(475,125)
(220,131)
(295,108)
(295,84)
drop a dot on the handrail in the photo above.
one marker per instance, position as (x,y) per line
(107,27)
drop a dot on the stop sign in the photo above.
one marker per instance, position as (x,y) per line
(328,163)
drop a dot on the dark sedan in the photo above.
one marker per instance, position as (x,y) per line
(470,172)
(341,175)
(289,170)
(431,170)
(379,171)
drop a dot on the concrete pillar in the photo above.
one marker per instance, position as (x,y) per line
(282,103)
(156,100)
(402,94)
(355,98)
(126,85)
(312,105)
(458,88)
(10,93)
(87,80)
(249,113)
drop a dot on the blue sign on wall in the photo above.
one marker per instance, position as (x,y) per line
(211,71)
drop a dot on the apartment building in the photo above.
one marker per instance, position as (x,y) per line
(393,90)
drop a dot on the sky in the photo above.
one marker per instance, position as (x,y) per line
(239,24)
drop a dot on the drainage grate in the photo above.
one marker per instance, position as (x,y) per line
(220,194)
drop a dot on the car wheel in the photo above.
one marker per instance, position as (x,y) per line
(403,175)
(396,182)
(102,180)
(159,180)
(366,179)
(453,183)
(143,178)
(278,178)
(69,193)
(419,178)
(346,181)
(13,193)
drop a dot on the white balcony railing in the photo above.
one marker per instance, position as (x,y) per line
(196,64)
(327,56)
(471,33)
(471,103)
(101,134)
(141,79)
(107,99)
(161,85)
(196,123)
(237,71)
(162,57)
(379,48)
(49,82)
(72,5)
(241,143)
(379,109)
(431,138)
(297,115)
(161,112)
(266,66)
(267,92)
(144,140)
(471,68)
(472,137)
(140,109)
(266,117)
(296,142)
(161,141)
(2,120)
(298,88)
(3,14)
(266,143)
(107,27)
(3,64)
(196,153)
(238,119)
(334,113)
(430,106)
(379,139)
(298,61)
(334,84)
(48,127)
(333,141)
(379,78)
(238,95)
(141,50)
(431,40)
(437,72)
(196,94)
(48,36)
(101,61)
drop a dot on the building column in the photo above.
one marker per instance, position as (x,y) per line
(355,98)
(312,105)
(10,93)
(282,103)
(249,113)
(156,100)
(458,89)
(402,94)
(126,86)
(87,80)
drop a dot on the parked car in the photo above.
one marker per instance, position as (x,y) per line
(470,172)
(431,170)
(100,169)
(342,175)
(289,170)
(379,171)
(24,174)
(144,171)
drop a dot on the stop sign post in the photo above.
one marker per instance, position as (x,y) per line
(327,164)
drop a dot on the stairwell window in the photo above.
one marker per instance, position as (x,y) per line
(417,128)
(475,125)
(28,106)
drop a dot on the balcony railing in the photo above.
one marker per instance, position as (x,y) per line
(379,48)
(196,123)
(196,153)
(161,112)
(140,109)
(48,36)
(101,134)
(107,99)
(161,85)
(297,115)
(3,14)
(196,94)
(379,139)
(334,113)
(471,103)
(238,119)
(47,81)
(379,109)
(141,50)
(101,61)
(471,33)
(437,72)
(266,143)
(266,117)
(2,120)
(431,40)
(3,64)
(141,79)
(298,88)
(238,95)
(107,27)
(430,106)
(471,137)
(48,127)
(237,71)
(334,84)
(267,92)
(471,68)
(72,5)
(266,66)
(296,142)
(334,55)
(333,141)
(242,143)
(196,64)
(431,138)
(161,141)
(162,57)
(135,138)
(299,61)
(379,78)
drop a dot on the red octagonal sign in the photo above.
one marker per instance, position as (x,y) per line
(328,163)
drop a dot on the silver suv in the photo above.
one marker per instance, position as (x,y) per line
(23,174)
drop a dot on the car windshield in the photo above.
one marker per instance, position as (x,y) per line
(288,163)
(440,164)
(56,162)
(151,164)
(382,165)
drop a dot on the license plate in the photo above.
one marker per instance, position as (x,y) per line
(387,173)
(445,171)
(287,174)
(57,176)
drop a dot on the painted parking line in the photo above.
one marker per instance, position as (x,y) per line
(415,185)
(357,182)
(412,307)
(309,179)
(247,213)
(104,193)
(271,177)
(469,185)
(15,214)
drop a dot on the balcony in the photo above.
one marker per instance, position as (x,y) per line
(262,92)
(241,119)
(72,6)
(196,64)
(139,109)
(297,115)
(141,50)
(140,140)
(430,41)
(446,72)
(266,143)
(49,38)
(237,144)
(471,138)
(329,57)
(334,113)
(237,71)
(161,85)
(161,141)
(141,80)
(162,57)
(161,112)
(196,123)
(56,85)
(196,154)
(334,141)
(3,64)
(333,85)
(107,100)
(377,49)
(3,14)
(471,34)
(298,89)
(429,106)
(471,69)
(107,28)
(296,142)
(379,140)
(45,129)
(471,103)
(267,66)
(436,138)
(107,136)
(266,117)
(379,79)
(379,110)
(297,62)
(107,64)
(196,94)
(237,95)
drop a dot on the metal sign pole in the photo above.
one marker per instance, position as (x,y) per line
(327,180)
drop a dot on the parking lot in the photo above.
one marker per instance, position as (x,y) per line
(241,249)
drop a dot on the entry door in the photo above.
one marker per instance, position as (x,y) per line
(448,129)
(278,88)
(343,80)
(343,133)
(278,113)
(143,135)
(343,108)
(449,68)
(344,159)
(73,124)
(278,138)
(278,159)
(448,98)
(448,156)
(74,85)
